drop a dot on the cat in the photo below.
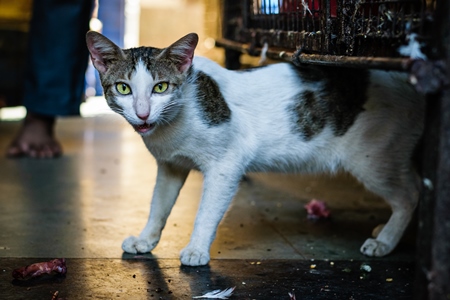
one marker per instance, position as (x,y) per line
(193,114)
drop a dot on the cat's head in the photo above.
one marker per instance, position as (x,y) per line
(143,84)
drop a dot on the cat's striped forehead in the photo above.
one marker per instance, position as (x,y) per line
(159,66)
(141,53)
(145,56)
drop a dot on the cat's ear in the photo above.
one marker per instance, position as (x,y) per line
(103,51)
(182,51)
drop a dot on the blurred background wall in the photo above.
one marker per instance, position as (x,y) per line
(129,23)
(14,18)
(162,22)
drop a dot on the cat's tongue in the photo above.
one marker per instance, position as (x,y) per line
(144,128)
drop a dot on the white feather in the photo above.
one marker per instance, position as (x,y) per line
(412,49)
(217,294)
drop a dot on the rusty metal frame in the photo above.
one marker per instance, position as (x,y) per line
(383,63)
(325,40)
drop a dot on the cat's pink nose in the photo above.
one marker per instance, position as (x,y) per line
(143,116)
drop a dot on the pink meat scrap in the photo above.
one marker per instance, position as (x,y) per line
(317,209)
(55,266)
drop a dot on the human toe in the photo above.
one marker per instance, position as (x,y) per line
(14,151)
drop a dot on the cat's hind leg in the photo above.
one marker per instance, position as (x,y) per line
(403,206)
(168,184)
(401,191)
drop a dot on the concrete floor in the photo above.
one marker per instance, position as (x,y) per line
(82,205)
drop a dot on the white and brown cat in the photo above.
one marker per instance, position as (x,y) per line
(193,114)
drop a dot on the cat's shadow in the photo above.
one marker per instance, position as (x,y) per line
(204,279)
(160,274)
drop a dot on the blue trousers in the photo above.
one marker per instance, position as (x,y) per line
(57,57)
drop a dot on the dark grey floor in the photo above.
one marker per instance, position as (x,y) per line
(82,205)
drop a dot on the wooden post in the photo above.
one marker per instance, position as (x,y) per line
(433,264)
(232,17)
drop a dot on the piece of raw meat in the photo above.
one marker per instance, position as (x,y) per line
(55,266)
(317,209)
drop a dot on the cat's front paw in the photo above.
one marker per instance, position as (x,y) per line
(373,247)
(193,257)
(135,245)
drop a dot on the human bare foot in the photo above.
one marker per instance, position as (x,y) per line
(35,139)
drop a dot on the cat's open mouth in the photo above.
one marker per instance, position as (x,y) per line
(144,127)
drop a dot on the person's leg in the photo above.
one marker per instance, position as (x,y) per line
(54,81)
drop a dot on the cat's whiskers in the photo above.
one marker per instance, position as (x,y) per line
(167,112)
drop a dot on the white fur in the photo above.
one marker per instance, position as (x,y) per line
(259,137)
(142,100)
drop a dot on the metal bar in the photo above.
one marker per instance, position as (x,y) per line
(324,15)
(246,49)
(383,63)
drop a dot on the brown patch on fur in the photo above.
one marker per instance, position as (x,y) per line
(215,109)
(339,99)
(311,115)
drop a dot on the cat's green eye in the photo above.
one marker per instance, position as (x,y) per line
(160,87)
(123,88)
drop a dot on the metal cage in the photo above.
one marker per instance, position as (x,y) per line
(364,32)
